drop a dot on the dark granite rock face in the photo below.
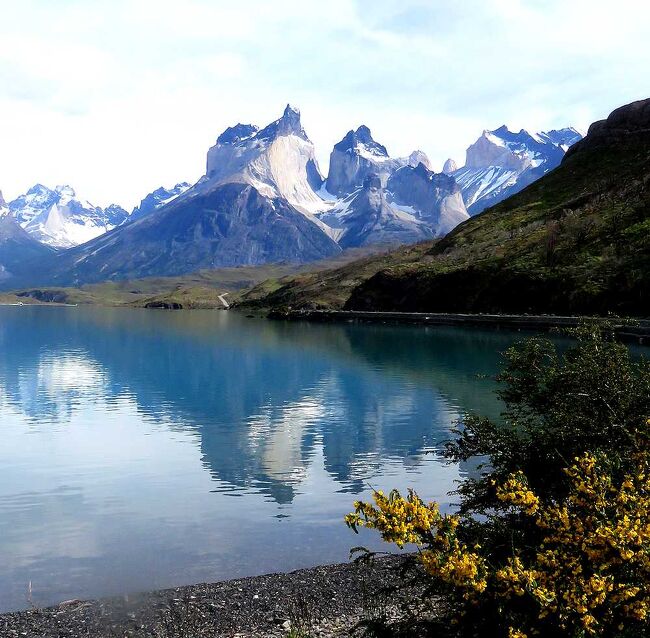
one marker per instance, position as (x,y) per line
(421,187)
(626,124)
(355,157)
(156,199)
(371,220)
(362,136)
(234,134)
(314,178)
(288,124)
(229,226)
(115,215)
(435,197)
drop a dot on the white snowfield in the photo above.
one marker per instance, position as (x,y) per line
(478,183)
(58,218)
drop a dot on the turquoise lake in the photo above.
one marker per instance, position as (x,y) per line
(148,449)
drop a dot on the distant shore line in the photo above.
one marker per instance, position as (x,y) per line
(626,329)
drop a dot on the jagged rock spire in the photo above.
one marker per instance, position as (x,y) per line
(449,166)
(362,137)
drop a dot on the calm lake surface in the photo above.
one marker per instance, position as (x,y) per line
(148,449)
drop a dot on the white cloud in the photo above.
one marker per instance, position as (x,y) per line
(120,96)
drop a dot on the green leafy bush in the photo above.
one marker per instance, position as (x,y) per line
(553,538)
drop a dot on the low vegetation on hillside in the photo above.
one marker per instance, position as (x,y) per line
(553,538)
(575,241)
(195,290)
(329,288)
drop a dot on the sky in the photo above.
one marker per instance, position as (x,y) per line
(118,97)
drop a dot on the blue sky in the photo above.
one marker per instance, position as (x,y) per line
(117,97)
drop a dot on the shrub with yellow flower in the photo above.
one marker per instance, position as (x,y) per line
(541,546)
(589,573)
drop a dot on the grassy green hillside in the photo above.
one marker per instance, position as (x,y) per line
(196,290)
(329,288)
(575,241)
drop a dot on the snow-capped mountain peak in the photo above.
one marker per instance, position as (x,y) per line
(501,162)
(362,143)
(65,191)
(278,160)
(160,197)
(58,218)
(358,155)
(263,198)
(564,137)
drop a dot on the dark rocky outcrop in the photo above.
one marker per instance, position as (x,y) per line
(435,197)
(46,296)
(628,124)
(234,134)
(372,220)
(288,124)
(158,198)
(164,305)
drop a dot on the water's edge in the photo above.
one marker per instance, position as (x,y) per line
(632,329)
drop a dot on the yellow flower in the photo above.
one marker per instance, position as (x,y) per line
(588,575)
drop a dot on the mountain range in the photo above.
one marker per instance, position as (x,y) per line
(574,241)
(500,163)
(263,199)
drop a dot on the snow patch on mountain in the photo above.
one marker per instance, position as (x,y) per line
(502,162)
(58,218)
(278,160)
(358,155)
(158,198)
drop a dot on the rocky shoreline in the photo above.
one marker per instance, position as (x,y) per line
(324,601)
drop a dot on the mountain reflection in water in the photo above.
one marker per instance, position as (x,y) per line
(126,433)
